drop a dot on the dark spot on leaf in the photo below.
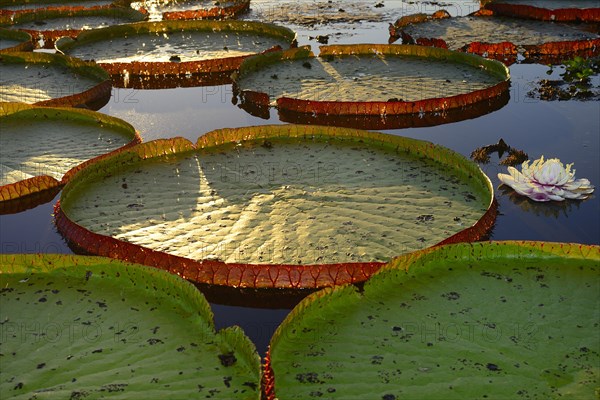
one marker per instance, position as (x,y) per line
(388,397)
(584,349)
(251,385)
(41,365)
(18,386)
(180,349)
(227,360)
(153,341)
(227,381)
(308,377)
(97,351)
(492,367)
(451,296)
(43,300)
(124,186)
(306,64)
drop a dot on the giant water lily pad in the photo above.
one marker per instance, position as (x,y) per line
(275,206)
(138,53)
(14,41)
(498,36)
(191,9)
(90,327)
(548,10)
(11,7)
(52,80)
(377,80)
(52,24)
(42,147)
(505,320)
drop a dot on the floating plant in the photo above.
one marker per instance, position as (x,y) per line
(11,7)
(59,142)
(369,79)
(546,180)
(482,320)
(548,10)
(186,52)
(275,206)
(14,41)
(191,9)
(48,25)
(90,327)
(498,37)
(52,80)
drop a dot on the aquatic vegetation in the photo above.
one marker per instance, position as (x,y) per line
(253,207)
(98,327)
(470,320)
(546,180)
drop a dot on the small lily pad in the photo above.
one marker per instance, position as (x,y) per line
(192,9)
(177,49)
(20,6)
(491,320)
(367,79)
(52,24)
(548,10)
(91,327)
(52,80)
(276,206)
(42,147)
(500,36)
(14,41)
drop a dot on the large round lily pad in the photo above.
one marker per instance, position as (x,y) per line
(14,41)
(505,320)
(378,80)
(498,36)
(548,10)
(42,147)
(138,53)
(52,80)
(51,24)
(276,206)
(91,327)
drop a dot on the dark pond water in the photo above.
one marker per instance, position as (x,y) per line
(569,130)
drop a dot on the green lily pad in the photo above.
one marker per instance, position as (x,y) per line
(42,147)
(499,36)
(19,6)
(52,80)
(285,206)
(52,24)
(176,48)
(501,320)
(369,79)
(11,40)
(92,327)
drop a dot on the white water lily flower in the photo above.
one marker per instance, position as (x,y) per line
(547,180)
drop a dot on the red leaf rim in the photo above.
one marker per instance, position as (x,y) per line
(544,14)
(24,37)
(258,276)
(377,122)
(94,98)
(381,108)
(507,51)
(51,36)
(204,72)
(60,6)
(231,11)
(38,184)
(268,377)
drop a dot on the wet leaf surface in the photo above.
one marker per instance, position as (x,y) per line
(462,321)
(88,327)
